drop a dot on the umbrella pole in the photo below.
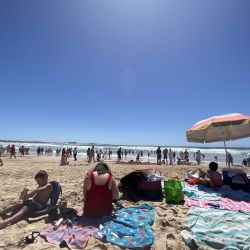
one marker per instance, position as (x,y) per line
(225,146)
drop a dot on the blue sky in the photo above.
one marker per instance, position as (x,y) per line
(121,71)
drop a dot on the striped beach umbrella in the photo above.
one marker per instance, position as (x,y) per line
(220,128)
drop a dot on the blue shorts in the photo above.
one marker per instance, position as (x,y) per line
(33,205)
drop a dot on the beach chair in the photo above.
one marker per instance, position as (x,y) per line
(52,204)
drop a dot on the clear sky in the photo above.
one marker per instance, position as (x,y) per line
(121,71)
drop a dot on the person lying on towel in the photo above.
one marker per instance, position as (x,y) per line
(32,202)
(99,190)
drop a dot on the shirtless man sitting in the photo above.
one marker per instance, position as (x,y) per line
(34,201)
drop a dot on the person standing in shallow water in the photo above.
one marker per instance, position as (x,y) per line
(170,156)
(158,153)
(119,154)
(12,151)
(198,157)
(92,154)
(1,151)
(165,156)
(75,154)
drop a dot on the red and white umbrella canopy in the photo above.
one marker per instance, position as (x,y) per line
(220,128)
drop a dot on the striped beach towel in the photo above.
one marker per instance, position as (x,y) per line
(75,236)
(216,229)
(224,204)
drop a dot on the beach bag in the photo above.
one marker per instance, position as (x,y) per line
(150,188)
(173,191)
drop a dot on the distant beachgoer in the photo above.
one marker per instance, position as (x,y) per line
(178,162)
(92,154)
(38,151)
(137,158)
(8,149)
(203,157)
(1,151)
(119,154)
(99,190)
(186,155)
(125,152)
(244,162)
(22,150)
(181,155)
(64,157)
(75,154)
(198,157)
(170,154)
(165,156)
(88,155)
(109,153)
(158,154)
(12,151)
(216,158)
(174,155)
(229,159)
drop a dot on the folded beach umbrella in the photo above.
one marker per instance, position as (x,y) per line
(220,128)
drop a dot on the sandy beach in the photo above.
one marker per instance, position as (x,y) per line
(18,173)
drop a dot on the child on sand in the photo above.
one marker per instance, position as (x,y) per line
(34,201)
(215,180)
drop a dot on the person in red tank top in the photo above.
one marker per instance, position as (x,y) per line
(99,190)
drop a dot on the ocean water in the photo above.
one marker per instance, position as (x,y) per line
(209,152)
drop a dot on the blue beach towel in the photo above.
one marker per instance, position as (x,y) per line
(131,227)
(219,229)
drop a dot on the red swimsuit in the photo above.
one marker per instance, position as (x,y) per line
(98,200)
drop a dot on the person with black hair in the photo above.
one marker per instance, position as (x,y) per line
(215,180)
(99,190)
(32,202)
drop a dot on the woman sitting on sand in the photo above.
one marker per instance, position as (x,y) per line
(99,190)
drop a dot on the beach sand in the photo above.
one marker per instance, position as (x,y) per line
(19,173)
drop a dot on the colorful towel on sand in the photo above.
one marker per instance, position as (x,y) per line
(73,236)
(131,227)
(219,229)
(203,193)
(224,203)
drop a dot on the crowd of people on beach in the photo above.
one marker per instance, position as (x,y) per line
(163,156)
(10,151)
